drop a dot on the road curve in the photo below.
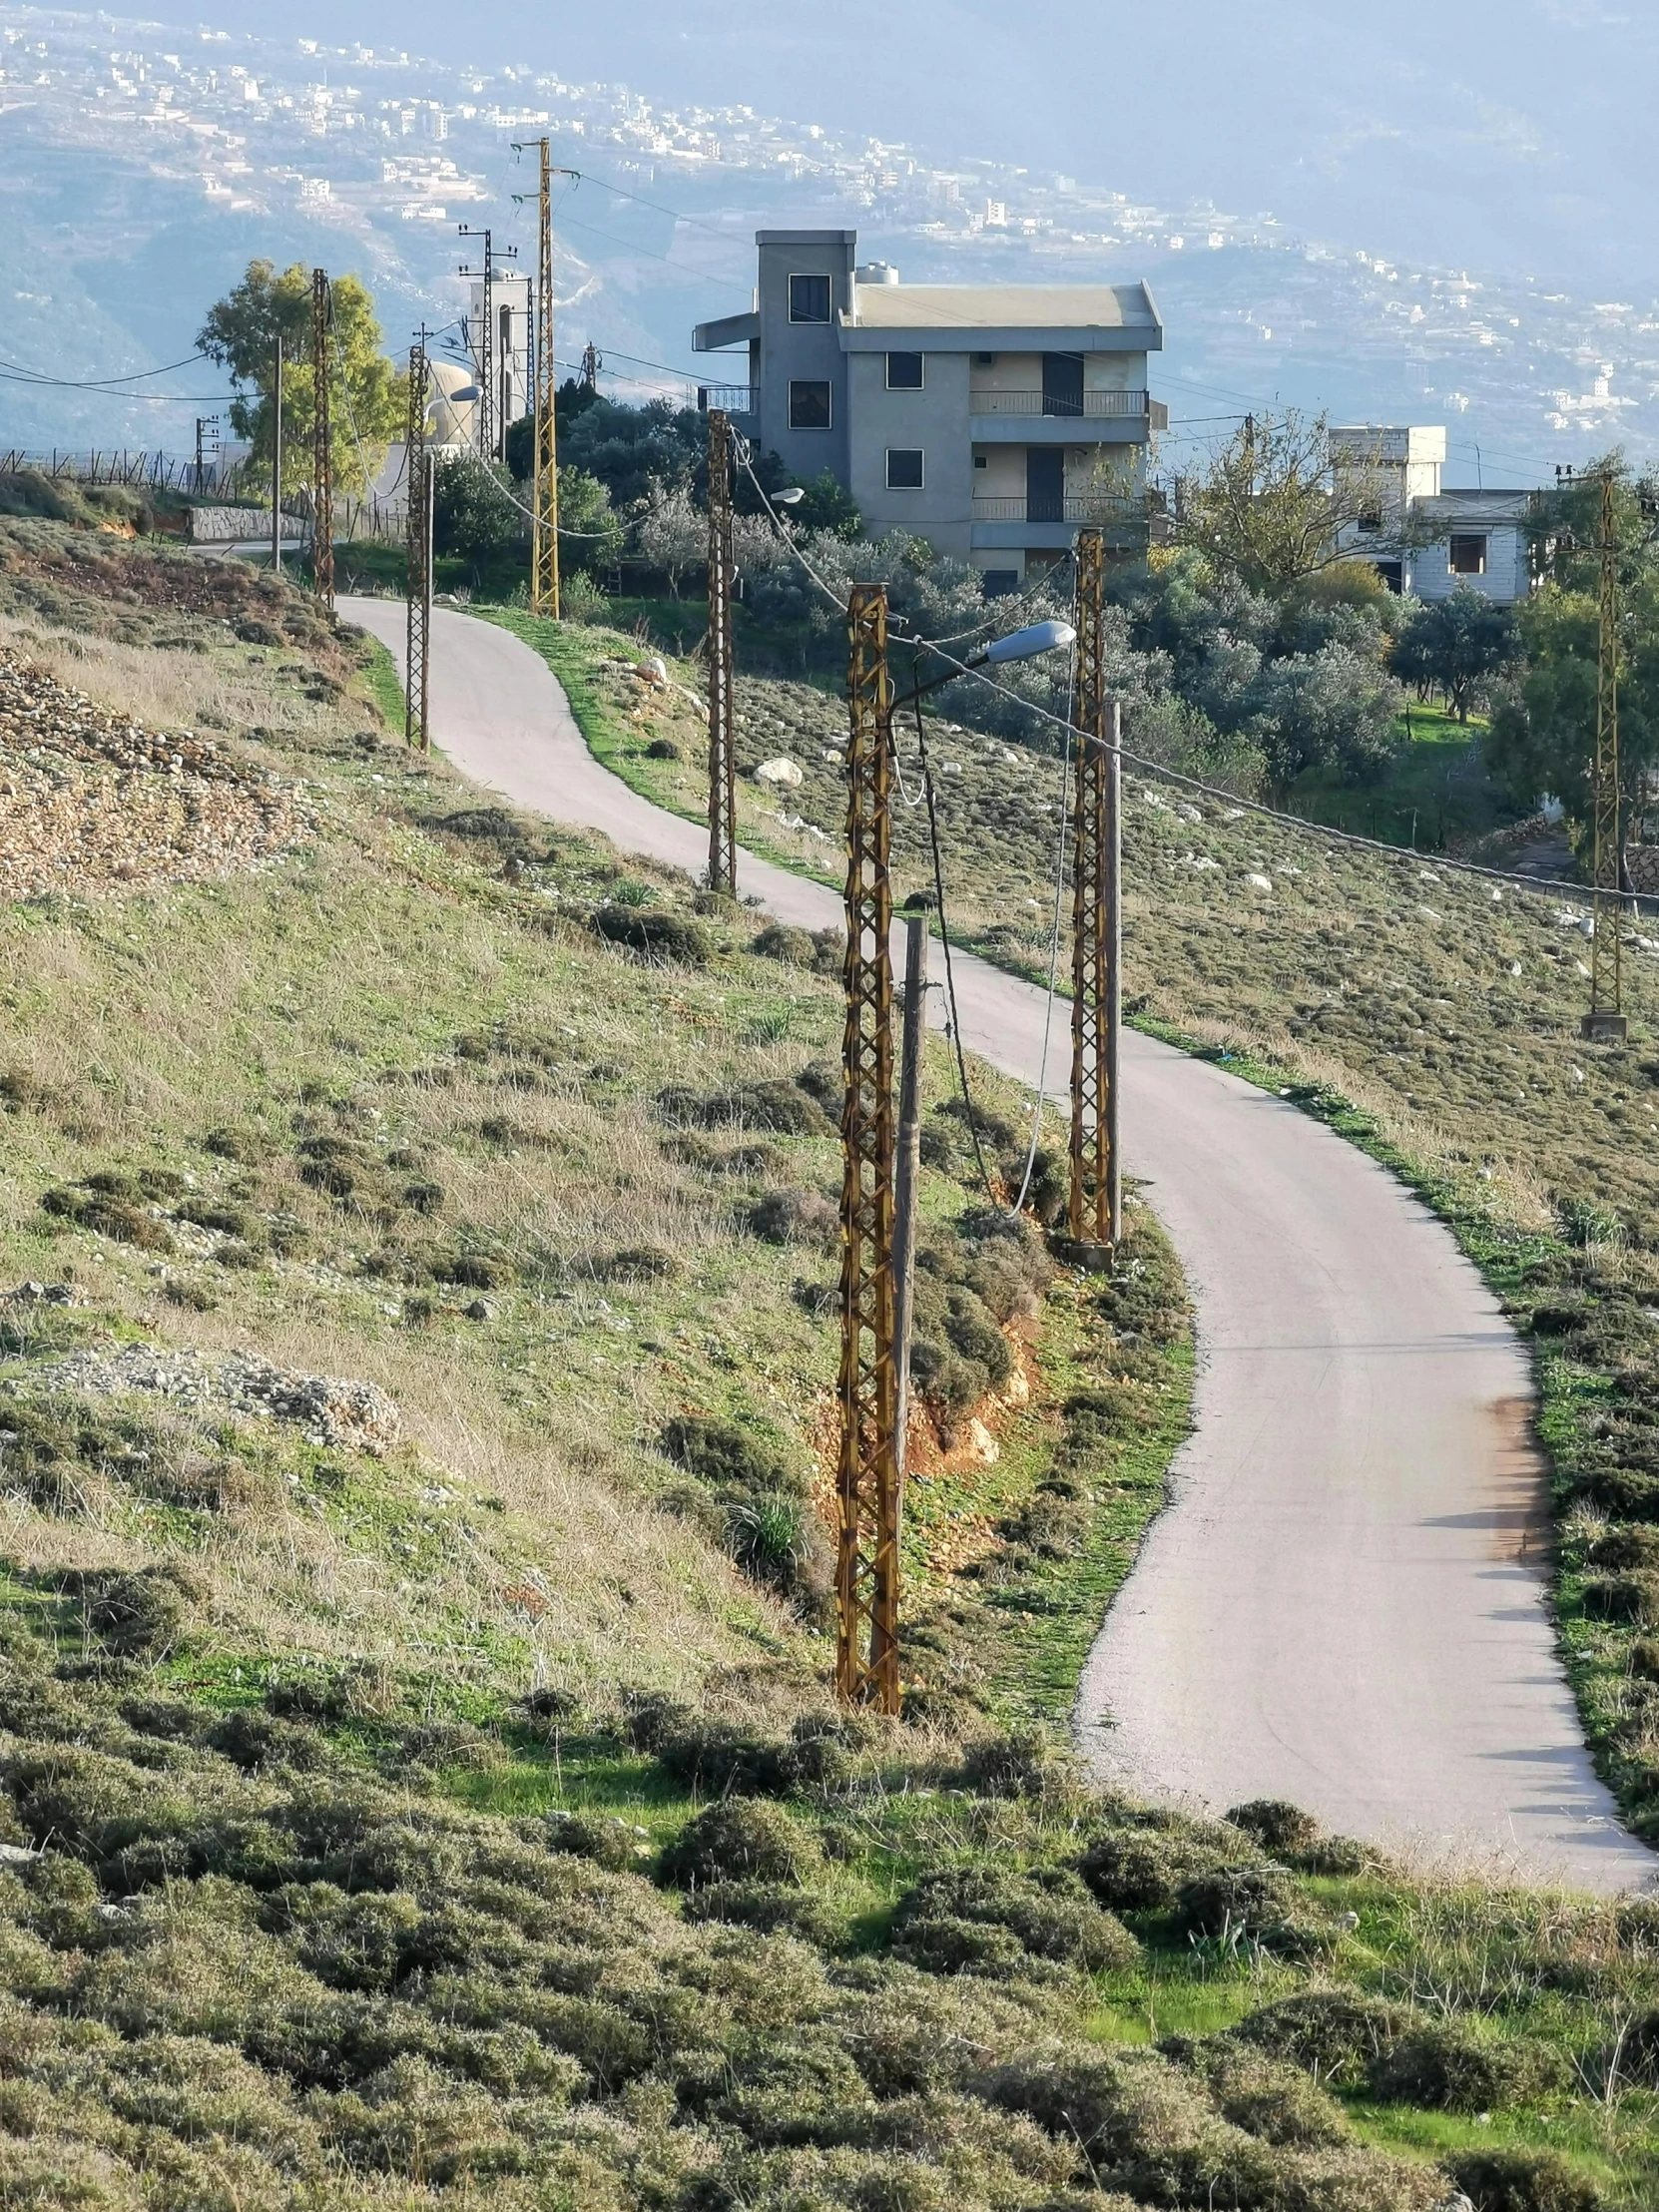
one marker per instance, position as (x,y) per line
(1344,1602)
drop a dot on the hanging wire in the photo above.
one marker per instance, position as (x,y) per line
(1053,954)
(1160,772)
(944,939)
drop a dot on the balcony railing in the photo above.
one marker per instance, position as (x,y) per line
(1107,511)
(1092,404)
(728,399)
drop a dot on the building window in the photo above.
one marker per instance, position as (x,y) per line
(903,372)
(1467,557)
(808,406)
(998,583)
(905,468)
(985,360)
(808,298)
(1370,520)
(982,460)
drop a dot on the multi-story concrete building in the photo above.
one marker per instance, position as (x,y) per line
(1424,539)
(991,419)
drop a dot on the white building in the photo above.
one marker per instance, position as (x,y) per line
(1477,538)
(507,347)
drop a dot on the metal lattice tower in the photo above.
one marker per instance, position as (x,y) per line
(418,553)
(866,1563)
(722,752)
(322,442)
(483,342)
(544,497)
(1605,1019)
(1089,1207)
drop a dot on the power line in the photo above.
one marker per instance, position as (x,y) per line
(1162,771)
(99,384)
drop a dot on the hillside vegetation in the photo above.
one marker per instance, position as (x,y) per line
(1431,1015)
(418,1783)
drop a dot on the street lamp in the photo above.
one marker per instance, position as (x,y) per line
(1018,645)
(1026,643)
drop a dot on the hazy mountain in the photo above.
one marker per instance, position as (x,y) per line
(1444,215)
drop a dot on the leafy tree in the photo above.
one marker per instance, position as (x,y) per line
(674,537)
(826,505)
(588,531)
(1345,604)
(628,448)
(473,515)
(1332,709)
(1271,508)
(1543,729)
(368,393)
(1458,645)
(569,401)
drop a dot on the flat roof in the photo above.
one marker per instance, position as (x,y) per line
(1004,307)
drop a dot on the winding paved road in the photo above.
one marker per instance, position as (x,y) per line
(1343,1604)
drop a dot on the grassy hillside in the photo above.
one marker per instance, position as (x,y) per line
(1431,1016)
(418,1783)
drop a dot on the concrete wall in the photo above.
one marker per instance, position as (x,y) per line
(1506,578)
(789,351)
(936,420)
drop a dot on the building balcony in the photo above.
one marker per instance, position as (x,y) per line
(1106,513)
(740,400)
(1093,404)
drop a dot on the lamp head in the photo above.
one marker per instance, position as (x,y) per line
(791,498)
(462,392)
(1026,643)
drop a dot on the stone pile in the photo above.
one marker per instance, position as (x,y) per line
(93,803)
(344,1415)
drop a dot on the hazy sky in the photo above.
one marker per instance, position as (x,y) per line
(1513,133)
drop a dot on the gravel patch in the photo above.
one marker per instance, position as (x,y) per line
(348,1416)
(91,803)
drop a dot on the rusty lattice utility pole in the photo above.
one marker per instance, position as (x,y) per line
(1605,1023)
(866,1564)
(323,443)
(1095,1203)
(417,587)
(544,497)
(722,752)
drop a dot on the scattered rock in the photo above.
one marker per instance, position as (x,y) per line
(479,1310)
(781,773)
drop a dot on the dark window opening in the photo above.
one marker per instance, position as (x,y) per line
(808,298)
(1392,574)
(1062,384)
(1468,556)
(905,468)
(1045,484)
(809,406)
(903,372)
(982,460)
(987,361)
(999,583)
(1370,520)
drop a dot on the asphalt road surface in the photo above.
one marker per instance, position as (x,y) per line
(1344,1602)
